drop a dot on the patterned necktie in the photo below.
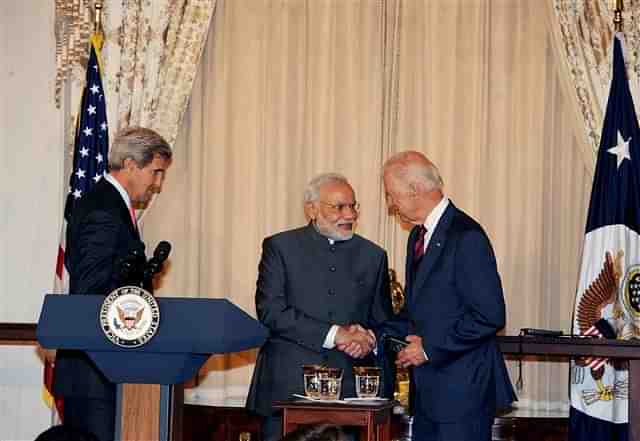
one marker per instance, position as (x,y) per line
(418,248)
(418,251)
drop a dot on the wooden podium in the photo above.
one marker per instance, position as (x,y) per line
(142,408)
(190,330)
(586,347)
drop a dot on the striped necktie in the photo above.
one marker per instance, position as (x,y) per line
(418,248)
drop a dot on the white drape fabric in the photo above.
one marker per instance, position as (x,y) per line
(293,88)
(582,35)
(151,50)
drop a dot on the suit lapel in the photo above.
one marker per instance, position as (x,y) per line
(434,250)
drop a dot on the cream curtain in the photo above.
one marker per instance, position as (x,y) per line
(286,90)
(150,54)
(157,51)
(291,88)
(479,93)
(582,35)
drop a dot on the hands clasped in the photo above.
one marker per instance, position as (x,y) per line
(355,341)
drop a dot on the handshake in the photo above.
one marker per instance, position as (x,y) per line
(354,340)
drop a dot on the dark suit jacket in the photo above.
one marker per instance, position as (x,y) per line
(99,233)
(304,286)
(455,303)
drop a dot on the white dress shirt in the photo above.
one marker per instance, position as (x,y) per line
(432,220)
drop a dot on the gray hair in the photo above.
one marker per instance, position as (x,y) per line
(411,166)
(312,192)
(139,144)
(429,175)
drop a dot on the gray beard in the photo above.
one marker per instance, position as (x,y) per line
(329,235)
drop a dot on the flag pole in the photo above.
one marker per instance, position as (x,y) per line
(617,16)
(98,32)
(97,25)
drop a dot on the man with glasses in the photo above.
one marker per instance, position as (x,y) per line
(321,290)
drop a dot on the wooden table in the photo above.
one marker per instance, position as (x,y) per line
(589,347)
(374,420)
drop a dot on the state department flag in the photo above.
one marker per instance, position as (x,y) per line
(608,294)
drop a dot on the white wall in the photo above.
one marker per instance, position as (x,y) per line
(31,183)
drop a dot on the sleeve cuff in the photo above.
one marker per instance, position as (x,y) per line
(330,339)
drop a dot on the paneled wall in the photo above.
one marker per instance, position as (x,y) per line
(30,200)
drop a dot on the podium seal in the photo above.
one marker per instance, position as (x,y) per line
(129,316)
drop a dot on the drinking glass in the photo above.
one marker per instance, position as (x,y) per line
(367,381)
(322,382)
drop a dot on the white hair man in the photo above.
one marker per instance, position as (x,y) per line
(455,308)
(322,289)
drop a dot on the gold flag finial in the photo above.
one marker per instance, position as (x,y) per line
(98,32)
(617,15)
(97,25)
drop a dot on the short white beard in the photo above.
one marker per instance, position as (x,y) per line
(332,234)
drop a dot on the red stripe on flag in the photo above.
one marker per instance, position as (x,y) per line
(593,331)
(48,384)
(594,363)
(60,262)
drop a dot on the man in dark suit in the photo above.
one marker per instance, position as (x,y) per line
(321,289)
(454,305)
(102,231)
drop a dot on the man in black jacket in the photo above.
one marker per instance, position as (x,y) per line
(101,231)
(321,291)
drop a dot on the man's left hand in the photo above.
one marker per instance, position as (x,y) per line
(413,354)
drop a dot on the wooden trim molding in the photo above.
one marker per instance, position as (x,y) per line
(18,334)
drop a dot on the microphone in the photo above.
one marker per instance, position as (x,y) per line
(162,251)
(154,265)
(131,266)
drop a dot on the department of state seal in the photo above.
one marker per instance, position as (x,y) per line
(129,316)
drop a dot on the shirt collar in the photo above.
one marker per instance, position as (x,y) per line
(331,241)
(434,217)
(120,188)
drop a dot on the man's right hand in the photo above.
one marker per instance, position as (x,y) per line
(354,340)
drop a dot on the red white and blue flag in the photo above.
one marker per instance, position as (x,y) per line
(90,155)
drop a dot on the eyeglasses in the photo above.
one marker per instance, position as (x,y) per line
(338,208)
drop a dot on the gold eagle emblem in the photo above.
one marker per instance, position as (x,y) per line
(129,320)
(600,293)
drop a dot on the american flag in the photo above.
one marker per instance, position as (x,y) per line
(90,154)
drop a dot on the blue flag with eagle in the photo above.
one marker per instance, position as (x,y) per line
(608,295)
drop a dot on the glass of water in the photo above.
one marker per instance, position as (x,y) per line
(367,381)
(322,382)
(311,383)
